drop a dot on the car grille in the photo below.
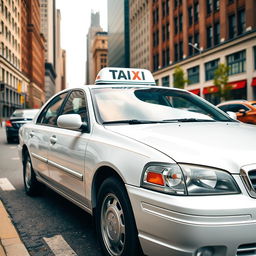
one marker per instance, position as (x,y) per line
(246,250)
(248,175)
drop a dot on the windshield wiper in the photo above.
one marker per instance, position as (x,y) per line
(132,121)
(184,120)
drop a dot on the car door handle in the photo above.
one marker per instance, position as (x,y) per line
(53,140)
(31,134)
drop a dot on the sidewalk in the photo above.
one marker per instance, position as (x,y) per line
(10,243)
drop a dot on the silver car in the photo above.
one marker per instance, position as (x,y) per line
(163,171)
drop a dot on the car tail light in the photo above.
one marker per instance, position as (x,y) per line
(8,123)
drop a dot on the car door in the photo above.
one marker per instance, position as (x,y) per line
(67,150)
(40,132)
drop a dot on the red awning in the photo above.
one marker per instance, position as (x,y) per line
(210,89)
(195,91)
(234,86)
(253,82)
(237,84)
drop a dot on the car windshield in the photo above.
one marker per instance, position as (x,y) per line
(28,113)
(145,105)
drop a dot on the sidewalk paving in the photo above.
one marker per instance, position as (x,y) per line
(10,243)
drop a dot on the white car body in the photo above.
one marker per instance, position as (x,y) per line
(70,162)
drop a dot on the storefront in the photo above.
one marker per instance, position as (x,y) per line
(238,91)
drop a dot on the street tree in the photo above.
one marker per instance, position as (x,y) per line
(179,79)
(220,80)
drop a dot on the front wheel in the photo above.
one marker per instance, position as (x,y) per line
(32,186)
(115,224)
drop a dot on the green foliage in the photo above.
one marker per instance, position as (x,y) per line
(179,79)
(221,81)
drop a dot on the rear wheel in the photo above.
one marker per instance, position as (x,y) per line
(115,224)
(9,139)
(31,185)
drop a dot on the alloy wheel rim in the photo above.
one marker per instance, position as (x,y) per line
(28,175)
(113,225)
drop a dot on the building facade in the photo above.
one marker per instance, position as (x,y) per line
(139,34)
(13,84)
(32,52)
(94,28)
(100,52)
(48,28)
(119,33)
(198,35)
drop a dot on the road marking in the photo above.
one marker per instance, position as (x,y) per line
(13,147)
(59,246)
(6,185)
(15,158)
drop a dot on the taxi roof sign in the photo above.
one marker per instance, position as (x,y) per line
(125,76)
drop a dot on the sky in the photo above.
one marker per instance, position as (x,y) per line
(75,22)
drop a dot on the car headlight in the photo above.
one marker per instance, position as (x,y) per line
(188,180)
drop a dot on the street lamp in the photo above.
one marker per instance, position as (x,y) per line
(195,46)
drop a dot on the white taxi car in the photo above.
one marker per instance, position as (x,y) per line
(163,171)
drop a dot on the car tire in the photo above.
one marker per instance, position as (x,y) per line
(31,185)
(9,140)
(115,224)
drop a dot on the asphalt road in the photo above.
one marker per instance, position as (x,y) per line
(47,224)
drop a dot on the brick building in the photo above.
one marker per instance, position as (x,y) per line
(13,83)
(198,35)
(32,52)
(100,52)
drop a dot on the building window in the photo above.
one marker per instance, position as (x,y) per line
(216,33)
(209,6)
(190,48)
(176,25)
(163,33)
(163,9)
(241,22)
(155,62)
(181,50)
(180,22)
(254,49)
(196,12)
(167,28)
(232,26)
(236,62)
(209,35)
(190,16)
(193,75)
(165,81)
(210,68)
(176,52)
(216,5)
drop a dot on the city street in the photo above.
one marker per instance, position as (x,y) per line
(47,224)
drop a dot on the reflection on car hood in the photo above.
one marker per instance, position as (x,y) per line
(223,145)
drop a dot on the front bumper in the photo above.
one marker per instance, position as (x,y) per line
(178,225)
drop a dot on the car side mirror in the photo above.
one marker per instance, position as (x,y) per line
(232,115)
(71,121)
(242,111)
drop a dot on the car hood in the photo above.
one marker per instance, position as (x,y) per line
(220,144)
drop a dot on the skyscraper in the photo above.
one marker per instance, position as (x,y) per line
(119,34)
(94,28)
(48,28)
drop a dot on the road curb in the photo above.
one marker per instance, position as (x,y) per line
(10,243)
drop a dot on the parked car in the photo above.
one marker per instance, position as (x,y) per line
(18,118)
(160,168)
(245,110)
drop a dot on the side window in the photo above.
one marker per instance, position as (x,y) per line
(76,104)
(50,113)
